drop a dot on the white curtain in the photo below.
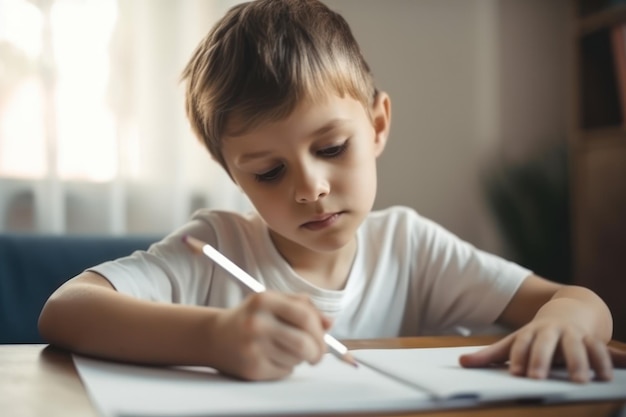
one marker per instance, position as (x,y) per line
(93,135)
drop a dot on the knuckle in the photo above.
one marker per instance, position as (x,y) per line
(253,325)
(309,318)
(595,344)
(300,347)
(310,323)
(524,337)
(257,301)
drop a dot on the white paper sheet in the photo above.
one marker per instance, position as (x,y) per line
(120,390)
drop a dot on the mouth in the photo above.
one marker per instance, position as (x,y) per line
(322,221)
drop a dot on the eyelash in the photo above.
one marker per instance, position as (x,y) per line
(271,175)
(333,151)
(328,153)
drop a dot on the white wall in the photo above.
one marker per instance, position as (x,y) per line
(471,82)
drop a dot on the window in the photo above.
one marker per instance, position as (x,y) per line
(93,136)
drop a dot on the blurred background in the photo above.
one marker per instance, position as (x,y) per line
(94,140)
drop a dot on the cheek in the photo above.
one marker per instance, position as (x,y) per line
(362,181)
(361,170)
(266,200)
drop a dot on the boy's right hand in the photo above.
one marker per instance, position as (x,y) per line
(268,335)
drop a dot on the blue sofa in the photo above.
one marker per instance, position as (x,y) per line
(33,266)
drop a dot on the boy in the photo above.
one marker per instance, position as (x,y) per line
(283,99)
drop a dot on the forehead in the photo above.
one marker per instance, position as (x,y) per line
(309,117)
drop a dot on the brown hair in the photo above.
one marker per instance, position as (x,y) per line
(262,58)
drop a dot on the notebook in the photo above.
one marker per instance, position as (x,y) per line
(388,380)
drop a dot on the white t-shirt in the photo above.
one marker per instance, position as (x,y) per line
(410,276)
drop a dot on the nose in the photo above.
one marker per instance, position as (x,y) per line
(310,184)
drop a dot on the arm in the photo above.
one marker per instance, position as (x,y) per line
(539,298)
(86,315)
(569,323)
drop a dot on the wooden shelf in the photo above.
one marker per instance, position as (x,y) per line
(602,20)
(597,78)
(597,157)
(601,137)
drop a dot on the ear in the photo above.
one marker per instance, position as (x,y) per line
(381,119)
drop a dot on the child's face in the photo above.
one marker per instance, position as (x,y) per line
(312,176)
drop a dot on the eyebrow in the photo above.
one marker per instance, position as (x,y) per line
(252,155)
(328,127)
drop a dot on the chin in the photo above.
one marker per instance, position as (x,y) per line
(333,243)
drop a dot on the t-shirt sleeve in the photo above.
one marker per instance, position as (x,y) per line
(460,285)
(167,272)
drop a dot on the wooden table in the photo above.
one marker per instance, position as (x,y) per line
(40,380)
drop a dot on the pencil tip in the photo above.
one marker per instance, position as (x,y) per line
(350,359)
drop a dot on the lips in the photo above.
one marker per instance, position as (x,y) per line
(322,221)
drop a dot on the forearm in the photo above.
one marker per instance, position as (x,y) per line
(581,306)
(98,321)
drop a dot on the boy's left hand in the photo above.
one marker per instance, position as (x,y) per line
(531,351)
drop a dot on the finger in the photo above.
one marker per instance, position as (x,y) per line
(618,357)
(265,370)
(295,345)
(280,370)
(520,352)
(599,358)
(576,360)
(259,365)
(273,361)
(282,354)
(497,352)
(286,329)
(295,310)
(326,322)
(299,312)
(541,353)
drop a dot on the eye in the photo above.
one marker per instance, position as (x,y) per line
(271,175)
(333,151)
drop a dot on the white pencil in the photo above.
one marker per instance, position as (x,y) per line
(334,346)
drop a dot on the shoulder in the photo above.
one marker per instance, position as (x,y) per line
(227,221)
(397,229)
(232,233)
(218,228)
(403,228)
(390,215)
(397,219)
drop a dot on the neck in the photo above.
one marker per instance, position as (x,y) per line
(327,270)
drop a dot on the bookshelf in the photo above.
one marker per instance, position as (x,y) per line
(597,152)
